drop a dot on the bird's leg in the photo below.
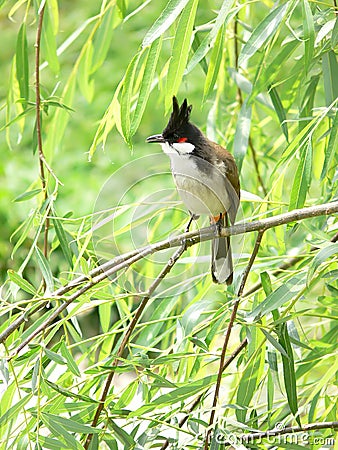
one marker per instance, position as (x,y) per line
(217,222)
(192,217)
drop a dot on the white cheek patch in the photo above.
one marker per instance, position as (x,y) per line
(183,147)
(167,148)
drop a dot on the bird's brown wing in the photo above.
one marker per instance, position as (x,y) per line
(232,176)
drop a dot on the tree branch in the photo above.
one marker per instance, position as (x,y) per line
(128,334)
(228,333)
(189,239)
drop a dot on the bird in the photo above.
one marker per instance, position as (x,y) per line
(207,180)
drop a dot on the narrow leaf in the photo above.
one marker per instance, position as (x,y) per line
(27,195)
(84,72)
(48,43)
(278,297)
(128,84)
(22,65)
(330,75)
(71,364)
(214,64)
(146,83)
(21,282)
(334,37)
(302,178)
(45,269)
(266,29)
(62,238)
(278,105)
(102,39)
(224,16)
(180,51)
(309,33)
(55,357)
(12,412)
(331,149)
(289,371)
(242,134)
(321,257)
(167,17)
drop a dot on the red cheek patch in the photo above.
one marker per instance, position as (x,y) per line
(182,139)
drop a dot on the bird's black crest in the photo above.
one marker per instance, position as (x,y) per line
(179,117)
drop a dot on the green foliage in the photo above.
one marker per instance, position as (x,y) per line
(262,78)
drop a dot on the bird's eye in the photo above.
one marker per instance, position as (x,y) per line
(175,136)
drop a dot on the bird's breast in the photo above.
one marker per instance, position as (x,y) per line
(202,186)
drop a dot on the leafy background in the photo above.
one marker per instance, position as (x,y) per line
(262,77)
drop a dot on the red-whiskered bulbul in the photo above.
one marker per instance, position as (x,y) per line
(207,180)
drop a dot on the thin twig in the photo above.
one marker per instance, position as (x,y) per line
(38,122)
(248,438)
(255,161)
(228,333)
(164,272)
(190,238)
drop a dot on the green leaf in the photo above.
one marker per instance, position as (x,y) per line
(146,83)
(22,64)
(27,195)
(330,75)
(55,357)
(71,425)
(59,431)
(45,269)
(278,105)
(102,39)
(68,393)
(302,179)
(127,90)
(25,228)
(48,43)
(84,72)
(224,16)
(266,283)
(331,149)
(214,64)
(127,395)
(278,297)
(334,37)
(266,29)
(125,438)
(176,395)
(274,342)
(242,134)
(321,257)
(308,101)
(166,18)
(289,371)
(251,376)
(309,33)
(180,51)
(105,315)
(21,282)
(60,120)
(62,238)
(71,364)
(12,412)
(268,73)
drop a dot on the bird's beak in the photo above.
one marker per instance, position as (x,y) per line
(156,138)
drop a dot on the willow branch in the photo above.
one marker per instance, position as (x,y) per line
(228,333)
(190,238)
(128,334)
